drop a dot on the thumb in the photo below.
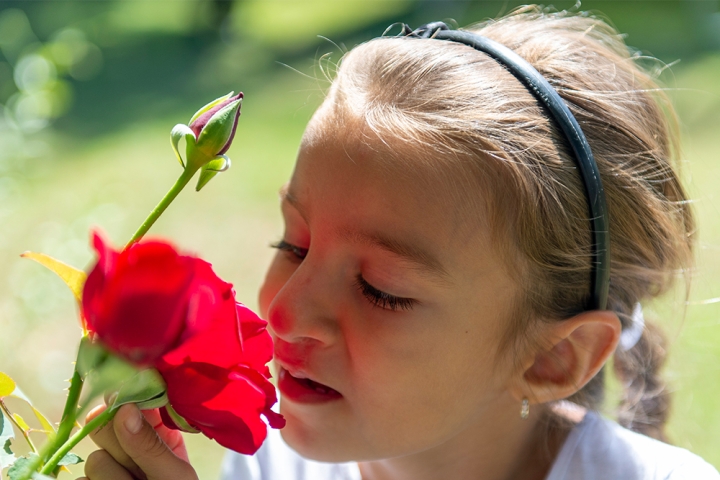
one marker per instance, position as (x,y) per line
(140,441)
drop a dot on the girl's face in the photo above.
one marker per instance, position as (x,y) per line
(386,308)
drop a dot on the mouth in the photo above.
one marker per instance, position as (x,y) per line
(301,389)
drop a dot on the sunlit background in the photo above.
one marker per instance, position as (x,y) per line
(89,91)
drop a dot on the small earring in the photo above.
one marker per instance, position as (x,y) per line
(525,408)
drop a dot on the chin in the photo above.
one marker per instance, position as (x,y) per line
(333,445)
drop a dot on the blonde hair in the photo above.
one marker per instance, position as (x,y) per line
(455,103)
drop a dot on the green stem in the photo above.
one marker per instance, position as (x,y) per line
(69,416)
(160,208)
(92,425)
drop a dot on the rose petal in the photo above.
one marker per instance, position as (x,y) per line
(222,406)
(138,307)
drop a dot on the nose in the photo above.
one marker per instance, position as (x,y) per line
(305,309)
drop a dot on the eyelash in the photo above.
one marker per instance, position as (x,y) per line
(299,253)
(381,299)
(377,297)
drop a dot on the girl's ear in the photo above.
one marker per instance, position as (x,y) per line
(569,354)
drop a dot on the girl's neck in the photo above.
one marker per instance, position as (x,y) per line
(504,448)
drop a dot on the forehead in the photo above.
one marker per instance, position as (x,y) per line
(365,183)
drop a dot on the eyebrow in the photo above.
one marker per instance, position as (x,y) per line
(407,251)
(412,253)
(288,196)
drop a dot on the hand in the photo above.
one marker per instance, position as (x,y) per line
(136,445)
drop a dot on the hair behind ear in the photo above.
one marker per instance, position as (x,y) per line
(645,405)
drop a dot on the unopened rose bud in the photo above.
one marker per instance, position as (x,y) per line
(214,125)
(208,137)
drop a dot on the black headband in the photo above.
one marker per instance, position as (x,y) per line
(546,95)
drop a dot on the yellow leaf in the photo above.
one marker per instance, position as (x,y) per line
(47,426)
(8,388)
(73,277)
(7,385)
(21,422)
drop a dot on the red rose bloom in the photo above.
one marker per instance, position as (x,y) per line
(204,385)
(155,307)
(148,299)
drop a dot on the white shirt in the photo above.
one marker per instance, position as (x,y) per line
(596,449)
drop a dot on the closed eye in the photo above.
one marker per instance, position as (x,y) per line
(381,299)
(294,250)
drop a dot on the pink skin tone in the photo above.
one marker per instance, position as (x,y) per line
(421,391)
(424,391)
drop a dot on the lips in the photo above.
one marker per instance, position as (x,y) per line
(300,389)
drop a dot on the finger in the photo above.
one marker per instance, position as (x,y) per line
(100,465)
(105,438)
(172,438)
(142,443)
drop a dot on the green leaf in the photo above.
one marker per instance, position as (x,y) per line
(7,457)
(209,106)
(212,168)
(180,422)
(20,466)
(109,376)
(73,277)
(157,402)
(90,356)
(70,459)
(176,134)
(143,386)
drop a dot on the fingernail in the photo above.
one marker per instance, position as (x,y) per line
(133,423)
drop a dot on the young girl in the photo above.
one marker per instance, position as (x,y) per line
(429,297)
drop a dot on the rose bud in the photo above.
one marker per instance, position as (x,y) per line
(214,124)
(208,137)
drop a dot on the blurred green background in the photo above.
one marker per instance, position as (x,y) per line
(89,91)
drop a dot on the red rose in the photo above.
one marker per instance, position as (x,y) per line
(148,299)
(155,307)
(204,389)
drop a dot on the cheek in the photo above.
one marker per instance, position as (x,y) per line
(420,385)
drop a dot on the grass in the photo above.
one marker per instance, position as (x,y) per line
(113,181)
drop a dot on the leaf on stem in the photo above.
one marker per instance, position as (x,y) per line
(7,385)
(144,386)
(108,377)
(46,425)
(212,168)
(156,402)
(73,277)
(179,132)
(21,423)
(91,355)
(7,457)
(8,388)
(70,459)
(20,466)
